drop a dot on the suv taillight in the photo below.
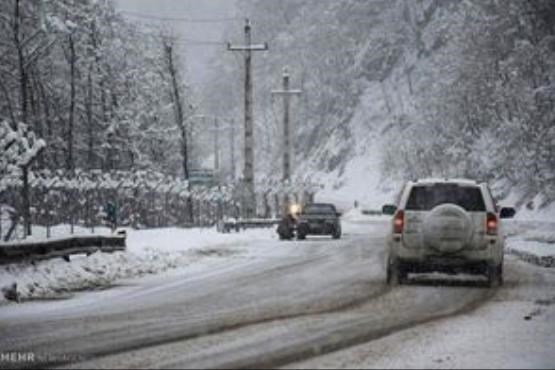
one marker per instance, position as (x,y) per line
(491,224)
(399,222)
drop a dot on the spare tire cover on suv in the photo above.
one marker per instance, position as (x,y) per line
(447,228)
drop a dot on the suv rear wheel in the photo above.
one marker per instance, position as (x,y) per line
(495,276)
(396,274)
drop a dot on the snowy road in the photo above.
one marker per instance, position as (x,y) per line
(315,301)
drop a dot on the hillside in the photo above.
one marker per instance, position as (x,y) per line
(394,90)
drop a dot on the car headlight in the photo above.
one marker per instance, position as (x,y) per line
(295,208)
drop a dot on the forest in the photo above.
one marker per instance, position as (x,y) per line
(431,87)
(447,88)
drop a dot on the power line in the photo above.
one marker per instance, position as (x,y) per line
(179,19)
(179,39)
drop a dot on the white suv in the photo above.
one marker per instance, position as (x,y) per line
(448,226)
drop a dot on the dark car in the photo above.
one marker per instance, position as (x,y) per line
(319,219)
(314,219)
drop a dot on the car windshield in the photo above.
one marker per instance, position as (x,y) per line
(425,198)
(319,209)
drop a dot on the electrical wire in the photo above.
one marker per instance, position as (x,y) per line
(180,19)
(179,39)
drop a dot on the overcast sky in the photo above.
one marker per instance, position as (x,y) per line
(196,55)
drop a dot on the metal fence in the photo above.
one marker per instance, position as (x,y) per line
(138,199)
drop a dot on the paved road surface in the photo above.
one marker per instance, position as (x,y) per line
(301,301)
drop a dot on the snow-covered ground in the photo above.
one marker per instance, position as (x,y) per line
(148,252)
(204,275)
(158,250)
(532,240)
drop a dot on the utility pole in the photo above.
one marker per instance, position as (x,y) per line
(249,206)
(216,148)
(286,92)
(196,121)
(232,148)
(216,131)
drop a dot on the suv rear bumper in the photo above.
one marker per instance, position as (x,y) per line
(445,265)
(427,259)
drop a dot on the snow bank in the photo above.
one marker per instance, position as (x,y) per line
(354,221)
(148,252)
(532,241)
(355,215)
(537,214)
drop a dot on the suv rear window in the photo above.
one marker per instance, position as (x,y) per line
(425,198)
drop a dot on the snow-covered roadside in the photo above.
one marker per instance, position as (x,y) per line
(158,250)
(148,252)
(507,335)
(151,251)
(532,241)
(356,215)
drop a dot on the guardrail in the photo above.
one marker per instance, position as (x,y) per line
(63,247)
(238,225)
(543,261)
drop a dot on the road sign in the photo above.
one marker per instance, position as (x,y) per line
(202,177)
